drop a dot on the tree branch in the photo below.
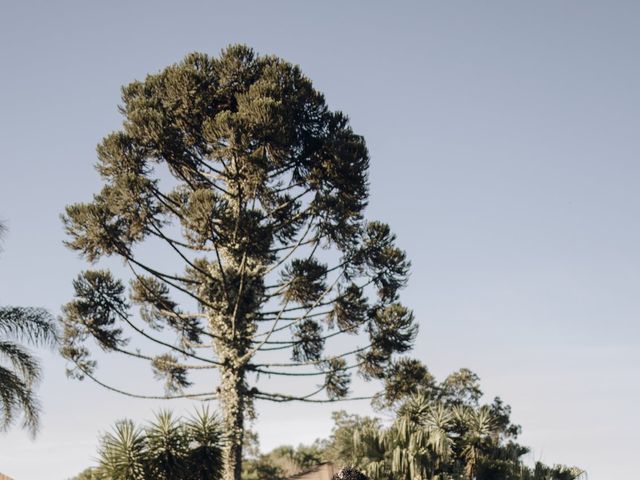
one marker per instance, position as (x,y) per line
(305,374)
(150,359)
(125,317)
(277,397)
(312,362)
(196,396)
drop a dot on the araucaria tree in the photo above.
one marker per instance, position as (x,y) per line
(257,190)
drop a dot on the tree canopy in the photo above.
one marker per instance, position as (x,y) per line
(256,190)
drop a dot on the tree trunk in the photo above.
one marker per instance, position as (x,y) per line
(232,402)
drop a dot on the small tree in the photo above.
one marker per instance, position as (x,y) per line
(237,166)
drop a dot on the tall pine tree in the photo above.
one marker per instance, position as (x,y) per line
(237,166)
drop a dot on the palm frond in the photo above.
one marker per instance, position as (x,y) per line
(16,399)
(30,324)
(22,362)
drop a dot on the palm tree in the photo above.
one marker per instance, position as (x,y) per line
(481,430)
(420,439)
(417,445)
(19,370)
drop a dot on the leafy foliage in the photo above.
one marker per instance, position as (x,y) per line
(283,462)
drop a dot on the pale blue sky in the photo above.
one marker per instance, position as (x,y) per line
(504,144)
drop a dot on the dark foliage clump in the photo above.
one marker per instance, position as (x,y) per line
(350,473)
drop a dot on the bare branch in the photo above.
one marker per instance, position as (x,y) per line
(311,315)
(304,374)
(158,233)
(289,344)
(312,362)
(150,359)
(195,396)
(277,397)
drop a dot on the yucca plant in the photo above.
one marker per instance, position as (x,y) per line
(480,431)
(369,451)
(168,448)
(204,457)
(123,453)
(419,440)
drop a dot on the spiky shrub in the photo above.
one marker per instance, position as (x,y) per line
(167,449)
(238,167)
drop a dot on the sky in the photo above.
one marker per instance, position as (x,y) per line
(504,154)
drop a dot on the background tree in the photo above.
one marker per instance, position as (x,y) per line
(86,474)
(283,462)
(19,370)
(238,167)
(440,431)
